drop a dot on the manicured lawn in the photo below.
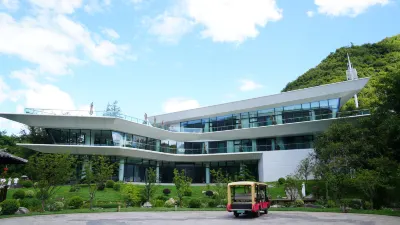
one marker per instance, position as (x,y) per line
(110,195)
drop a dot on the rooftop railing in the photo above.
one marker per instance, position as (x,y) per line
(275,119)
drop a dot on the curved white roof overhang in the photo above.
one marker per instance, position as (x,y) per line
(143,154)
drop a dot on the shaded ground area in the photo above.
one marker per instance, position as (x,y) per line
(209,218)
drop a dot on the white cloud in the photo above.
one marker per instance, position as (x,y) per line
(249,85)
(52,42)
(346,7)
(110,33)
(310,13)
(170,28)
(233,20)
(94,6)
(9,4)
(58,6)
(179,104)
(4,90)
(222,20)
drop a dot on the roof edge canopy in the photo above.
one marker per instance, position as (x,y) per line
(344,90)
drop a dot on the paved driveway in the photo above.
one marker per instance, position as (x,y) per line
(207,218)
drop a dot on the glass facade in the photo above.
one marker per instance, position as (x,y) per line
(114,138)
(232,168)
(324,109)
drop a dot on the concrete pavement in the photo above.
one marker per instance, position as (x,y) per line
(207,218)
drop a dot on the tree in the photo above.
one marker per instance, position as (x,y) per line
(371,60)
(96,172)
(113,110)
(182,183)
(221,181)
(245,174)
(368,181)
(291,187)
(305,168)
(49,171)
(150,187)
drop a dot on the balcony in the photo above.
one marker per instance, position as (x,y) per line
(175,129)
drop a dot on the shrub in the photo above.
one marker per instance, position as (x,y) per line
(330,204)
(287,204)
(131,195)
(75,202)
(9,206)
(281,181)
(57,206)
(299,203)
(166,191)
(110,184)
(194,203)
(159,203)
(33,204)
(345,202)
(29,194)
(117,186)
(187,192)
(20,194)
(75,188)
(367,205)
(212,204)
(101,187)
(209,193)
(107,205)
(162,198)
(27,184)
(355,203)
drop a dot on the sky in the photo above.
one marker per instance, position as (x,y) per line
(160,56)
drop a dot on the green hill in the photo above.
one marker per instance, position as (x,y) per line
(370,60)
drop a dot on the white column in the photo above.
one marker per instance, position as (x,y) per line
(158,172)
(207,173)
(121,170)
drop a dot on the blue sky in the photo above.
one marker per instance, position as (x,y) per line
(162,56)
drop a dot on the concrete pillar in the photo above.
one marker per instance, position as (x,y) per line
(253,145)
(158,172)
(205,148)
(136,174)
(273,144)
(121,169)
(92,137)
(312,115)
(158,145)
(230,147)
(207,173)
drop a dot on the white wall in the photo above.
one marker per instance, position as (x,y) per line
(276,164)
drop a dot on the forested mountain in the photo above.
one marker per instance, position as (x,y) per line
(370,60)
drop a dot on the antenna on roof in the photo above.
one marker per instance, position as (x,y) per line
(351,74)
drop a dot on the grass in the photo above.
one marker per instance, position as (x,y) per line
(110,195)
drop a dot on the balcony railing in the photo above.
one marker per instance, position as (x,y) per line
(273,122)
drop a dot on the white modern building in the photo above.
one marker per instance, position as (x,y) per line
(270,135)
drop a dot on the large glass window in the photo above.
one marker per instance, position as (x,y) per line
(265,144)
(193,147)
(217,147)
(118,138)
(242,145)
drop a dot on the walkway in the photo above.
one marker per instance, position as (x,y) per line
(209,218)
